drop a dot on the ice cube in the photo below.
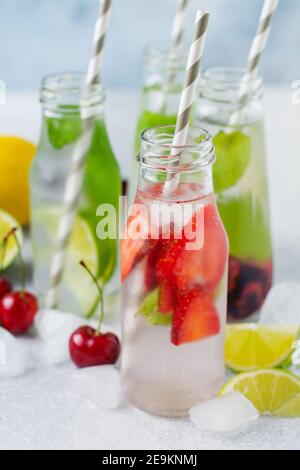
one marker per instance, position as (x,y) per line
(282,305)
(100,385)
(55,329)
(227,413)
(15,359)
(50,322)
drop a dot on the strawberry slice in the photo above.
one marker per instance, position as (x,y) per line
(151,281)
(166,300)
(134,249)
(204,267)
(170,252)
(132,253)
(195,318)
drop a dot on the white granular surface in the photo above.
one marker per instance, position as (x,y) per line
(37,413)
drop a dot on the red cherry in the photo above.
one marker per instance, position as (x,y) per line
(234,271)
(17,311)
(5,287)
(89,348)
(251,299)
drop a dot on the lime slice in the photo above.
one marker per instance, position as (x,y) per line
(250,347)
(149,310)
(7,222)
(78,294)
(272,392)
(233,152)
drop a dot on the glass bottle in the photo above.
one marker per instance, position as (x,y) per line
(61,98)
(174,264)
(240,182)
(164,75)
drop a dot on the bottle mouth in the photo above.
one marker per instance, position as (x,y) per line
(68,93)
(158,58)
(158,151)
(223,84)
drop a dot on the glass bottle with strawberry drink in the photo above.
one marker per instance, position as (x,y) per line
(174,262)
(240,182)
(164,73)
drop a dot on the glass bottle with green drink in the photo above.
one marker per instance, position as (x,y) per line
(240,181)
(62,125)
(164,75)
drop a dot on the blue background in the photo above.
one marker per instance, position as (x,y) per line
(38,37)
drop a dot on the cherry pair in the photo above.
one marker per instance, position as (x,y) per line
(17,308)
(88,346)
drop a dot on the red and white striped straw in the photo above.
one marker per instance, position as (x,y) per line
(188,93)
(74,180)
(257,49)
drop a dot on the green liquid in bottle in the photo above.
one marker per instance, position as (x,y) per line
(102,185)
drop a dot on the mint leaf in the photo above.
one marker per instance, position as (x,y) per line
(233,152)
(64,131)
(149,310)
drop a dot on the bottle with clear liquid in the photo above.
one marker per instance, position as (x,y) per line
(174,266)
(160,94)
(62,101)
(240,181)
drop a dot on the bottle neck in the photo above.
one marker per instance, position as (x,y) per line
(225,93)
(66,96)
(164,75)
(67,103)
(187,170)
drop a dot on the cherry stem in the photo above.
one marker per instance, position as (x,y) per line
(12,233)
(100,289)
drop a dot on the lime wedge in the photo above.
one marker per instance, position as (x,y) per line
(233,152)
(78,294)
(149,310)
(7,222)
(272,392)
(250,347)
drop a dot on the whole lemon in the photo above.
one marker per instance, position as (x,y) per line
(15,159)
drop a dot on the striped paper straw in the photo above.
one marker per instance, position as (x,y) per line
(189,92)
(258,46)
(192,76)
(74,180)
(178,24)
(177,38)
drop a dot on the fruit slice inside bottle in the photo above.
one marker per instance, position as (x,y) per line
(239,181)
(182,276)
(78,293)
(7,222)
